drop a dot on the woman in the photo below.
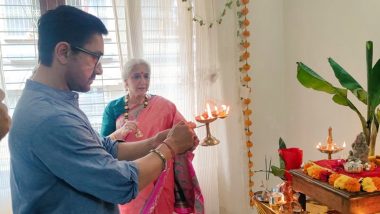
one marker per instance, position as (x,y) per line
(137,116)
(5,122)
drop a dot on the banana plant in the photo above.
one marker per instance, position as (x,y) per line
(370,97)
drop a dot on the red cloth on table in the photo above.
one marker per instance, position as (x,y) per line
(336,165)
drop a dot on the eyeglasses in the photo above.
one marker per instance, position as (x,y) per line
(98,56)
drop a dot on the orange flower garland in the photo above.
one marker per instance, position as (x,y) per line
(245,78)
(333,177)
(340,181)
(352,185)
(376,181)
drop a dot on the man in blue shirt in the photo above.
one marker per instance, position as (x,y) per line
(59,164)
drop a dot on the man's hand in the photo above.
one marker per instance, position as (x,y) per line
(180,138)
(160,137)
(5,120)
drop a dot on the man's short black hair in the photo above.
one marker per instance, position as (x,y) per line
(65,24)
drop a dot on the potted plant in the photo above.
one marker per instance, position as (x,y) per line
(370,97)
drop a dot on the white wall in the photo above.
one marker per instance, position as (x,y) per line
(314,31)
(286,32)
(268,82)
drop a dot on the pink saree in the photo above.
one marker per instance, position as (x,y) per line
(176,190)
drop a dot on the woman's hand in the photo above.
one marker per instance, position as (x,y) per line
(124,130)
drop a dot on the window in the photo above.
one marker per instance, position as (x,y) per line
(18,56)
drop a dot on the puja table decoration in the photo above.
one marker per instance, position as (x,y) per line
(340,200)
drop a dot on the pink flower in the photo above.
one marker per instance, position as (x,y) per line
(324,175)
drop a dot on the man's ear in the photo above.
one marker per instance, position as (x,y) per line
(62,51)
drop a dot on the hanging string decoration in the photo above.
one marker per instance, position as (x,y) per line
(245,79)
(209,23)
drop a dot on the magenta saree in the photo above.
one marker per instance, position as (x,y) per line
(177,189)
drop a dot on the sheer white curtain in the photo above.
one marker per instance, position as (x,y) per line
(184,63)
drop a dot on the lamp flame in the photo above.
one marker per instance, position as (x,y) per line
(319,145)
(209,111)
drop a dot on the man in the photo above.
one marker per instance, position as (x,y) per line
(5,120)
(59,164)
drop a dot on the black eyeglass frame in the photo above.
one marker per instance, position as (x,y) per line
(99,56)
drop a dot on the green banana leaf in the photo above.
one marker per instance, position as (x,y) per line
(308,78)
(347,81)
(374,88)
(377,114)
(369,55)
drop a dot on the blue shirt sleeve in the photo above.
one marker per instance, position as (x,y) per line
(72,151)
(110,146)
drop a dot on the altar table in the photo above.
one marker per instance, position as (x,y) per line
(340,200)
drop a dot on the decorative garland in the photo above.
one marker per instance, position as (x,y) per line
(340,181)
(245,79)
(202,22)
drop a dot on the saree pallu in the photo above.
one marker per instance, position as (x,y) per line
(176,190)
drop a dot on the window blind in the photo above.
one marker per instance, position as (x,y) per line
(160,39)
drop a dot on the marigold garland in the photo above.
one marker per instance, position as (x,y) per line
(333,177)
(245,79)
(352,185)
(376,181)
(368,185)
(340,181)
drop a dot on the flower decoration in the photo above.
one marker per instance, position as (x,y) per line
(376,181)
(290,158)
(368,185)
(352,185)
(340,181)
(324,175)
(332,178)
(245,79)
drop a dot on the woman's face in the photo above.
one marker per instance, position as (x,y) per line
(138,80)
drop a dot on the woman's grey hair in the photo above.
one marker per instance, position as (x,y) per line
(128,66)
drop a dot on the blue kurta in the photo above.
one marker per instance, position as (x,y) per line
(59,164)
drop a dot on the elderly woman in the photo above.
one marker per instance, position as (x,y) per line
(5,120)
(137,116)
